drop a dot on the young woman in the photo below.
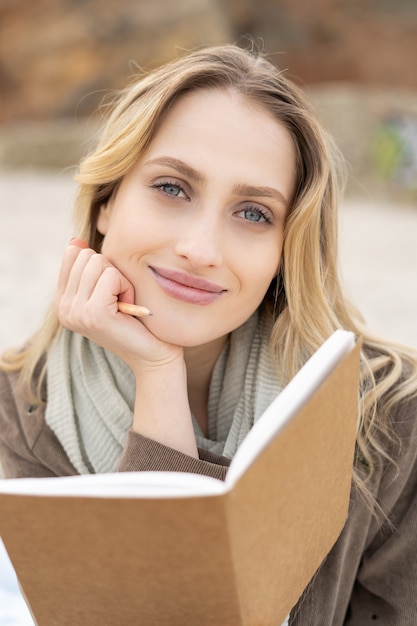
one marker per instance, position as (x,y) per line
(212,200)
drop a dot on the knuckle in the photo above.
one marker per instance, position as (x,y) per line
(64,311)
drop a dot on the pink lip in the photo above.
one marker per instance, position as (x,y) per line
(187,287)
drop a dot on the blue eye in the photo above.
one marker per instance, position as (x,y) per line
(256,215)
(170,189)
(253,216)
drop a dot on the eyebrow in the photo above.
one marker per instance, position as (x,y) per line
(180,166)
(239,189)
(260,192)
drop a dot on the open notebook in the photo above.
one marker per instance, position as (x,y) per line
(170,548)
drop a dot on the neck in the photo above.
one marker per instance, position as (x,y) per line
(200,361)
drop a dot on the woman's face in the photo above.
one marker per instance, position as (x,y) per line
(197,225)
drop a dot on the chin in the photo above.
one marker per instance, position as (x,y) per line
(176,334)
(181,332)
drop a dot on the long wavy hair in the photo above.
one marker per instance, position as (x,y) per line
(306,299)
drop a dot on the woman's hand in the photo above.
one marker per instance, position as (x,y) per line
(89,288)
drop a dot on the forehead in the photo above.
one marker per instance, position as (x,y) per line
(211,123)
(213,103)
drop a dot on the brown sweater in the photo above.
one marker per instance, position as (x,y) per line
(370,575)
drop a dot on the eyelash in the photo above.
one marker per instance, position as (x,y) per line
(257,209)
(168,183)
(159,185)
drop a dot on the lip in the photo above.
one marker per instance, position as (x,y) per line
(187,287)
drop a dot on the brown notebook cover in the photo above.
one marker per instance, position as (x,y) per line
(240,557)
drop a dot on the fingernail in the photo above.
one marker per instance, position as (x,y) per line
(78,242)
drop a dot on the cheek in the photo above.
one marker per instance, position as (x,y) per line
(260,269)
(129,234)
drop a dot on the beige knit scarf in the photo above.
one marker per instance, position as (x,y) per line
(91,395)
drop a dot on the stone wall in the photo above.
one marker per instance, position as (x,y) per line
(57,57)
(367,42)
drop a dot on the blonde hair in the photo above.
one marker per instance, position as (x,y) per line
(308,280)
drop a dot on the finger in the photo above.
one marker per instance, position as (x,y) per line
(67,264)
(74,264)
(80,243)
(92,288)
(71,253)
(110,286)
(87,271)
(74,248)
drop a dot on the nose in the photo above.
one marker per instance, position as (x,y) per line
(201,241)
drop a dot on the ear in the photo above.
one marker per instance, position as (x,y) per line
(103,218)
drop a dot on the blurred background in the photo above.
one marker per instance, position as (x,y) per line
(356,59)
